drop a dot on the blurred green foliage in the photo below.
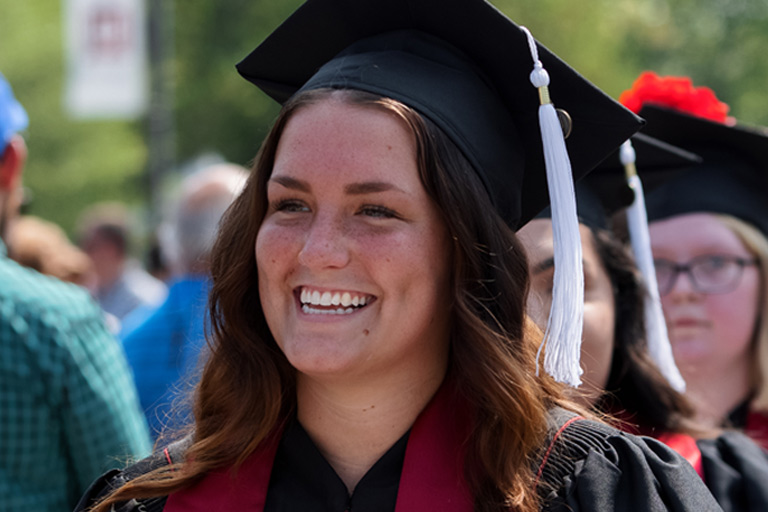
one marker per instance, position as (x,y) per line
(719,43)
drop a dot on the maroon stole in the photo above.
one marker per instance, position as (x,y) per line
(683,444)
(432,476)
(757,428)
(686,446)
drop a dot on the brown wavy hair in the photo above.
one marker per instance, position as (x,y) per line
(247,389)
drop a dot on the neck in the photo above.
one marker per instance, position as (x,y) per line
(715,392)
(353,425)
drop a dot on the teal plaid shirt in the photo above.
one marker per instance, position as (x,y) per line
(68,405)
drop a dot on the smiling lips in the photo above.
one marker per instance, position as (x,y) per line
(331,303)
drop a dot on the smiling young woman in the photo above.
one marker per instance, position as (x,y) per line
(369,348)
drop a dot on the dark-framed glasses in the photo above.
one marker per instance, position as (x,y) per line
(709,273)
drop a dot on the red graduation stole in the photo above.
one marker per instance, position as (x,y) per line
(683,444)
(757,428)
(686,446)
(432,477)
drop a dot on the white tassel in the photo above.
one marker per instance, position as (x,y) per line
(655,327)
(562,336)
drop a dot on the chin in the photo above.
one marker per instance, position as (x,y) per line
(690,353)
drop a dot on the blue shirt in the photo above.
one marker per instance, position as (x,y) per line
(163,351)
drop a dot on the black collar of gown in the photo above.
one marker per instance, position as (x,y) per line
(303,480)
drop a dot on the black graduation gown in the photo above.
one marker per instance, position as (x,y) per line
(591,467)
(736,472)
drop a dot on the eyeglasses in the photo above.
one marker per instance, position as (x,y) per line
(709,273)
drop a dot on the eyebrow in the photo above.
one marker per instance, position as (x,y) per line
(549,263)
(367,187)
(370,187)
(543,266)
(292,183)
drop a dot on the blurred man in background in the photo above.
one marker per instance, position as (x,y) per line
(104,233)
(68,406)
(163,349)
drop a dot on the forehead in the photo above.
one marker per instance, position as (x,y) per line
(537,238)
(332,136)
(693,233)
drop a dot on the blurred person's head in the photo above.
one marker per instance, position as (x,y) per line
(103,234)
(711,224)
(43,246)
(13,154)
(189,234)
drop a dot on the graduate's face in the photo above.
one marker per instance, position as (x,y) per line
(707,331)
(599,306)
(353,256)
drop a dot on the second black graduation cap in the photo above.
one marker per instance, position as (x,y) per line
(733,178)
(605,190)
(460,63)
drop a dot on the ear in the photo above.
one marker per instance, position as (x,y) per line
(12,163)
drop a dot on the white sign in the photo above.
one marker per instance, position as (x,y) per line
(106,58)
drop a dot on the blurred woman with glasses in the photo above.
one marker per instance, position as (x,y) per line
(708,230)
(628,371)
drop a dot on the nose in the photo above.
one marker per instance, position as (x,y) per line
(325,244)
(683,285)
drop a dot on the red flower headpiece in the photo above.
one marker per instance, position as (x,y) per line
(677,93)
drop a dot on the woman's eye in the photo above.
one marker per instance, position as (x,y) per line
(289,206)
(379,212)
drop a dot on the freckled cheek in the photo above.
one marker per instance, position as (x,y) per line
(275,252)
(274,246)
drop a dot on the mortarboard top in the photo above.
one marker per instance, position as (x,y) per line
(733,178)
(13,118)
(460,63)
(605,190)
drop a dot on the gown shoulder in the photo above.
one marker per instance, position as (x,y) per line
(593,466)
(736,471)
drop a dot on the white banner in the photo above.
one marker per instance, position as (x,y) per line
(106,58)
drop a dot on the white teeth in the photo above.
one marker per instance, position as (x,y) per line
(345,299)
(339,311)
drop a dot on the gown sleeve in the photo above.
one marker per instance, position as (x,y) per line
(736,472)
(595,467)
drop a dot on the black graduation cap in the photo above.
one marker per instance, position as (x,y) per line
(460,63)
(606,190)
(733,178)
